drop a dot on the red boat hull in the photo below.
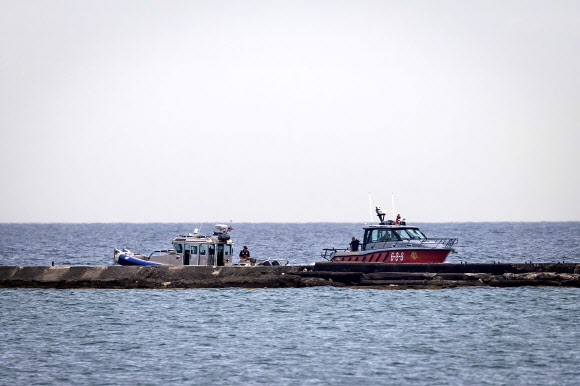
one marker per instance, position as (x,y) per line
(397,256)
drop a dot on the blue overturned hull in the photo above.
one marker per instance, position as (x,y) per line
(129,260)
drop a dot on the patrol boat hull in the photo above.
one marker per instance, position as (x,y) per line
(394,256)
(125,259)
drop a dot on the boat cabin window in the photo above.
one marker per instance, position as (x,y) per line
(178,247)
(387,235)
(211,256)
(227,250)
(416,234)
(410,234)
(202,249)
(371,236)
(380,235)
(194,249)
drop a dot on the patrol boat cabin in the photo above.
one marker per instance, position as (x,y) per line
(193,249)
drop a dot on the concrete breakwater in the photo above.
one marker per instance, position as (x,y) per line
(353,275)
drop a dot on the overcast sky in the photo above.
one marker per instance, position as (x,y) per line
(289,111)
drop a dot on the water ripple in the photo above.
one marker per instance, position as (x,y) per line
(290,336)
(92,244)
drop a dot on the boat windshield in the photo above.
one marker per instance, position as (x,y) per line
(410,234)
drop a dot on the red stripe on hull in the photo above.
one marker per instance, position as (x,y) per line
(401,256)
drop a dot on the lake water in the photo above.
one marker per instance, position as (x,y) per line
(311,336)
(526,336)
(92,244)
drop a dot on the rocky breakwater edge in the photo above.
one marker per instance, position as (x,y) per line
(350,275)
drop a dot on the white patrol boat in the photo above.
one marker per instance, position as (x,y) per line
(194,249)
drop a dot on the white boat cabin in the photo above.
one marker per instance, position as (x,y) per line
(194,249)
(200,250)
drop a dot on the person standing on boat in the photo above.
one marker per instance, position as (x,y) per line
(398,221)
(245,253)
(354,245)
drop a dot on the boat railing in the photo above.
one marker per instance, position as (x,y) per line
(161,251)
(263,262)
(329,252)
(386,244)
(445,243)
(270,261)
(424,243)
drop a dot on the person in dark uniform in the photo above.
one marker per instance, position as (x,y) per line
(245,253)
(354,245)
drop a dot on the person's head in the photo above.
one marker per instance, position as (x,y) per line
(353,239)
(245,247)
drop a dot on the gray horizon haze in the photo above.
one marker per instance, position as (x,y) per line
(289,111)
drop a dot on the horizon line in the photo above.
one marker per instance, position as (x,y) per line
(278,222)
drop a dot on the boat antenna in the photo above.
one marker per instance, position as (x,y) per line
(393,201)
(370,207)
(200,225)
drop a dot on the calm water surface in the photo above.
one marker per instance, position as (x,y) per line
(92,244)
(317,336)
(290,336)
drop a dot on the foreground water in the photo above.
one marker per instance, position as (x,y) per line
(290,336)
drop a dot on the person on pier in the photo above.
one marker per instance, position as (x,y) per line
(354,244)
(245,253)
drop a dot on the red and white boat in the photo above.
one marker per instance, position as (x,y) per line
(394,242)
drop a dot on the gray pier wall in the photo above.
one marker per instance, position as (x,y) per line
(354,275)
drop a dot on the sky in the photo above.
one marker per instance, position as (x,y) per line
(289,111)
